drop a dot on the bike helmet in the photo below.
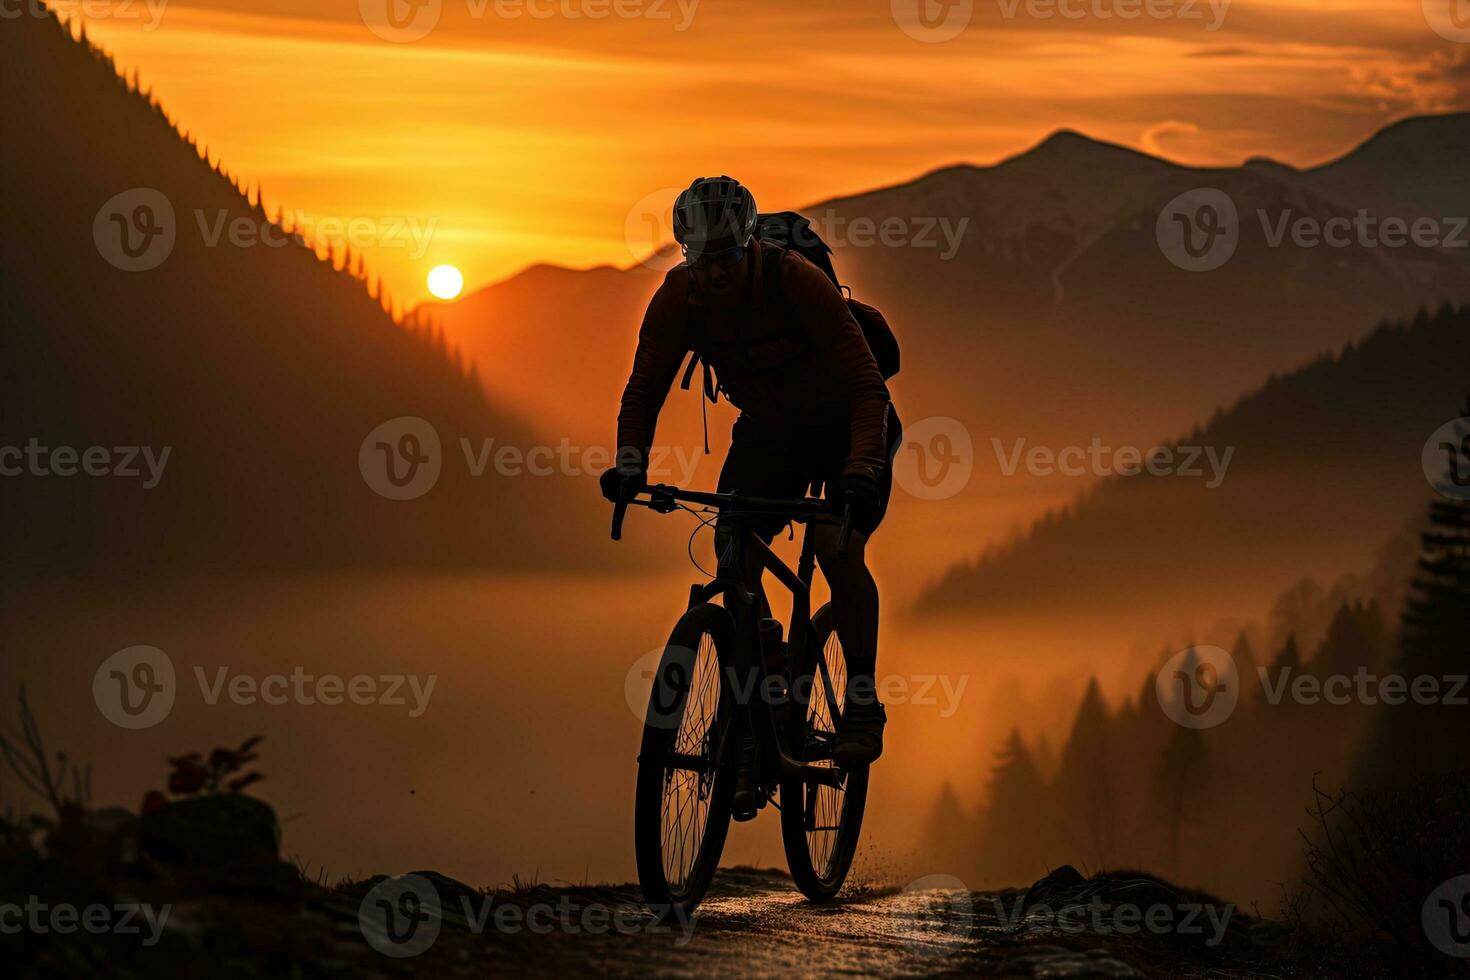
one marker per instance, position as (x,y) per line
(714,214)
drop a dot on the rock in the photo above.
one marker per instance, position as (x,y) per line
(209,831)
(1055,885)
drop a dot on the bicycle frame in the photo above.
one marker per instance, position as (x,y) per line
(740,602)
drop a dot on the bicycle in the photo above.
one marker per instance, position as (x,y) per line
(699,711)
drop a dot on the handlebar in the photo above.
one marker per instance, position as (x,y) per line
(665,499)
(620,510)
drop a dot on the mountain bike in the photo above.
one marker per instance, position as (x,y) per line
(726,673)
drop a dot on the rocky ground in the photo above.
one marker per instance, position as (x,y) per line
(195,887)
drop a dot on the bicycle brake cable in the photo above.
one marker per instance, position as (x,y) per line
(689,547)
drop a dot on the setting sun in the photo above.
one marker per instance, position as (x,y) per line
(445,281)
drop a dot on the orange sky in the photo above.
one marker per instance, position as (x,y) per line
(516,131)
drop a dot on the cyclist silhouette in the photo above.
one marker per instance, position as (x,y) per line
(814,409)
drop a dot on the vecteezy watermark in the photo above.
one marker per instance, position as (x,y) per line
(932,21)
(1450,19)
(936,458)
(136,230)
(1198,687)
(1363,230)
(936,914)
(387,231)
(148,11)
(1101,917)
(1095,459)
(405,21)
(1363,687)
(658,683)
(135,687)
(299,687)
(138,686)
(1446,917)
(63,919)
(1446,459)
(1211,11)
(1200,229)
(34,459)
(891,231)
(403,458)
(649,227)
(401,917)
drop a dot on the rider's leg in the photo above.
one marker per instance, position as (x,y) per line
(855,611)
(854,607)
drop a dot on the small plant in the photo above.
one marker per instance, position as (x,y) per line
(194,775)
(33,766)
(1371,861)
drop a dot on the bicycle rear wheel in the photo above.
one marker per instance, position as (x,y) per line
(681,806)
(820,825)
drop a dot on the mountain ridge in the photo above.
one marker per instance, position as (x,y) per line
(1340,421)
(262,369)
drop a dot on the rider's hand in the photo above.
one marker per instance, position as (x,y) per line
(630,473)
(867,499)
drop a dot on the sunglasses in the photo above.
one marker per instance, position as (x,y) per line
(725,258)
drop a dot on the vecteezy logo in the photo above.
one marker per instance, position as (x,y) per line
(400,21)
(1450,19)
(401,459)
(135,230)
(937,913)
(1446,459)
(1198,687)
(936,458)
(1198,230)
(932,21)
(1446,917)
(649,226)
(135,688)
(656,688)
(400,917)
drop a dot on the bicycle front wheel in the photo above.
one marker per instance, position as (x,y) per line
(681,806)
(820,824)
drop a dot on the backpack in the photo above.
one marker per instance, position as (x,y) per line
(786,230)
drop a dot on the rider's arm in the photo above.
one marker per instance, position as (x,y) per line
(661,348)
(839,340)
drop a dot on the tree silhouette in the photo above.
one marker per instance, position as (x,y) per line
(1012,834)
(1244,656)
(1413,741)
(1085,782)
(1355,638)
(1180,788)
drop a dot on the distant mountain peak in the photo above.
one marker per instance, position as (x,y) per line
(1062,138)
(1069,148)
(1412,137)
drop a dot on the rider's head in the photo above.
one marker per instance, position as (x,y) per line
(714,222)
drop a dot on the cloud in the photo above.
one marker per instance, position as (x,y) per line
(1436,82)
(1153,138)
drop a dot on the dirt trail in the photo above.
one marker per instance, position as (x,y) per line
(267,921)
(755,923)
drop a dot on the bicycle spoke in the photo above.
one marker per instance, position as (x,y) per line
(828,693)
(685,805)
